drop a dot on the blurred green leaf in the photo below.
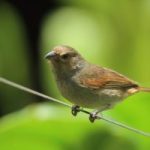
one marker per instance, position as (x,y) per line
(48,127)
(14,62)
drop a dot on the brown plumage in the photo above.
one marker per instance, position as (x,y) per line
(105,78)
(88,85)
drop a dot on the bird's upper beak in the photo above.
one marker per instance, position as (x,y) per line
(50,55)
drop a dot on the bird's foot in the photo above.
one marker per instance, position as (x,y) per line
(75,109)
(93,116)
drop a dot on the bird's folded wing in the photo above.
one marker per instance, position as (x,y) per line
(103,78)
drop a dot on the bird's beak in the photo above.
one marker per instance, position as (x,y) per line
(50,55)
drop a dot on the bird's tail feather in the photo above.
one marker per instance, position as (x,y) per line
(144,89)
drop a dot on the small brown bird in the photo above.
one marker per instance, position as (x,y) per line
(88,85)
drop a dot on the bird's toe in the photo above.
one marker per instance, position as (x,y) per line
(93,117)
(75,110)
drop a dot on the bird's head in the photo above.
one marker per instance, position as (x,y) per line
(65,58)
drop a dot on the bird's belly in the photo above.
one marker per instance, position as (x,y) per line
(89,98)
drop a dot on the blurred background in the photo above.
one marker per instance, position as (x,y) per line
(114,34)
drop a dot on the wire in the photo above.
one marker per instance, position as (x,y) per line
(5,81)
(10,83)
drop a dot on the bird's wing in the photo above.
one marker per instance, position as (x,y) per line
(99,78)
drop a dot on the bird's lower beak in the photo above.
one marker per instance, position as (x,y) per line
(50,55)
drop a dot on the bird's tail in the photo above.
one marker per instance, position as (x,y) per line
(143,89)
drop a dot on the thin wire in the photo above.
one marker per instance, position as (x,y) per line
(5,81)
(10,83)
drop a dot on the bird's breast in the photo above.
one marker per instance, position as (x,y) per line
(86,97)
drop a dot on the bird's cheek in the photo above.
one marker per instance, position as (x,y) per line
(71,65)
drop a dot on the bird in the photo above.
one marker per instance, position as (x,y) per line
(87,85)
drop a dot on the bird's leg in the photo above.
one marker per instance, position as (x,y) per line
(75,109)
(93,115)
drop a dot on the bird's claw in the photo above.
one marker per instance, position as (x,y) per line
(75,110)
(93,117)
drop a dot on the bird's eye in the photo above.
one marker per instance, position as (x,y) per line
(65,56)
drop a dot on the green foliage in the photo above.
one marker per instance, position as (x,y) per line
(14,62)
(48,127)
(114,34)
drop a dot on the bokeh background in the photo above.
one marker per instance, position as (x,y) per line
(114,34)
